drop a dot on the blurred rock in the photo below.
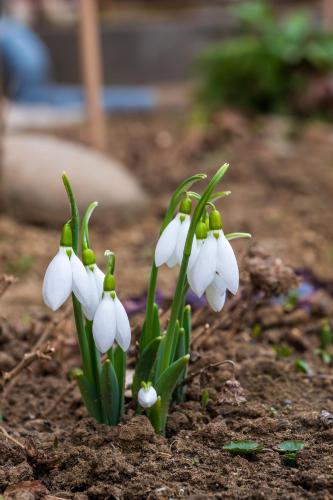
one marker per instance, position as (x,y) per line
(33,190)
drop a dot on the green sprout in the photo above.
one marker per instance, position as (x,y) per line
(283,350)
(302,366)
(289,451)
(326,340)
(204,399)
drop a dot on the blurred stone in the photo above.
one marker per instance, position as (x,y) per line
(33,189)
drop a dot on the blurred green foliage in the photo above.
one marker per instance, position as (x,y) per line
(269,65)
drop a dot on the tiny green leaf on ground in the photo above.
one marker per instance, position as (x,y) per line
(302,366)
(243,447)
(290,446)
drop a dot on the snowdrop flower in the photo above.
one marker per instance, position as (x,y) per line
(95,278)
(216,294)
(110,320)
(147,395)
(215,268)
(65,274)
(170,246)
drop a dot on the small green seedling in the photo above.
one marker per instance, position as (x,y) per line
(283,350)
(204,399)
(289,451)
(256,331)
(326,340)
(302,366)
(243,447)
(291,301)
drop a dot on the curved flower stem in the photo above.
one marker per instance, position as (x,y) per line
(81,334)
(85,223)
(177,301)
(154,270)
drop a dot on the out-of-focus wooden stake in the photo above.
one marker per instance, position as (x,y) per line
(92,72)
(327,14)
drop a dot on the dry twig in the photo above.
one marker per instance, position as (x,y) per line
(206,369)
(10,438)
(6,281)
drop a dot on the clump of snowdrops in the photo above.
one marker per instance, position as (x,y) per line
(191,238)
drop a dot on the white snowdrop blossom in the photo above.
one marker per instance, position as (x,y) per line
(171,243)
(147,396)
(95,278)
(65,274)
(216,294)
(215,268)
(110,321)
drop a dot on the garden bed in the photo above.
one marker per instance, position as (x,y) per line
(280,181)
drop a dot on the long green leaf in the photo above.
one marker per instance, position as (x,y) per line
(187,325)
(144,365)
(110,393)
(89,395)
(164,388)
(120,358)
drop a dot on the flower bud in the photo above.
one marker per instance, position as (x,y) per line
(147,396)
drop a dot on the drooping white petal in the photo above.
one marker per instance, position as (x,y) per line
(99,278)
(95,295)
(172,261)
(194,252)
(166,244)
(104,324)
(181,237)
(81,285)
(203,271)
(214,298)
(57,284)
(219,283)
(123,329)
(227,265)
(147,397)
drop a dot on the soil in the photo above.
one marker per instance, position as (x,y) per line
(281,176)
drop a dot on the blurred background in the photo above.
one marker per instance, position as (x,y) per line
(130,97)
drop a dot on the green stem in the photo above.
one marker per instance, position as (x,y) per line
(177,301)
(85,224)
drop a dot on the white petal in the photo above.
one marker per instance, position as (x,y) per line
(99,278)
(181,237)
(203,271)
(166,244)
(172,261)
(215,299)
(81,285)
(123,329)
(95,295)
(219,283)
(147,397)
(57,285)
(227,264)
(104,325)
(194,252)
